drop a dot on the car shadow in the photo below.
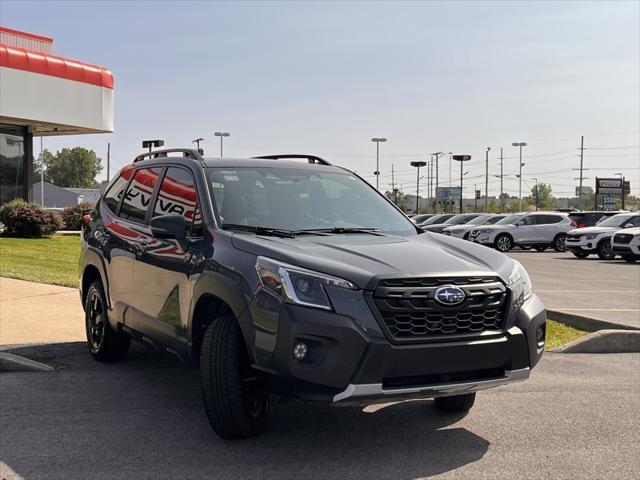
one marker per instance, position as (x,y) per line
(146,416)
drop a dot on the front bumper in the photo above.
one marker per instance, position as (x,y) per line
(350,360)
(626,249)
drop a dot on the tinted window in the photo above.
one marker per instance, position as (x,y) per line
(114,194)
(177,196)
(528,220)
(136,200)
(547,219)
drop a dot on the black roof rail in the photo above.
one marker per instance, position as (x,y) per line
(186,152)
(310,158)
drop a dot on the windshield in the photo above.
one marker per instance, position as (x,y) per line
(481,220)
(508,220)
(492,220)
(301,199)
(455,219)
(615,221)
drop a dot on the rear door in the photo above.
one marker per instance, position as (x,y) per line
(163,268)
(547,227)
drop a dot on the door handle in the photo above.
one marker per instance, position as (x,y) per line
(142,247)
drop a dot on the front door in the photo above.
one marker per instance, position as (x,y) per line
(163,268)
(525,229)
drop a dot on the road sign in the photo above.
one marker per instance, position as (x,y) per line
(478,194)
(627,187)
(448,193)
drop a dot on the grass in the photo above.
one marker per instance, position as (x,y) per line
(559,334)
(51,260)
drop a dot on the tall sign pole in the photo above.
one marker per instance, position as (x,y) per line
(581,169)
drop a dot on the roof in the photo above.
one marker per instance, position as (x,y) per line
(266,163)
(53,66)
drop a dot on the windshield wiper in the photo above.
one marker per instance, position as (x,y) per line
(339,230)
(276,232)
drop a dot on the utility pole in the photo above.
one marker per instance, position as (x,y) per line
(431,186)
(501,181)
(486,180)
(418,165)
(520,145)
(475,198)
(393,186)
(108,160)
(41,173)
(437,155)
(581,169)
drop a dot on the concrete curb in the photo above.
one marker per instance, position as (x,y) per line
(604,341)
(587,324)
(10,362)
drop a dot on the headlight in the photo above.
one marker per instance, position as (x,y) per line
(298,285)
(590,237)
(520,282)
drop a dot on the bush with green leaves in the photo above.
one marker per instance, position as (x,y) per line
(28,220)
(72,216)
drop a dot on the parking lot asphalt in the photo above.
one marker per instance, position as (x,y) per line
(576,417)
(604,290)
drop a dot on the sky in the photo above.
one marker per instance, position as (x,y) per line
(325,77)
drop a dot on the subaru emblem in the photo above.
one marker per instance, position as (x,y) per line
(449,295)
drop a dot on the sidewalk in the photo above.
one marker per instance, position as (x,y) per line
(27,307)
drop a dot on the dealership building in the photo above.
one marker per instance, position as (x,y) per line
(42,94)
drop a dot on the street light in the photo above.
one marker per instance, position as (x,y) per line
(437,155)
(221,135)
(418,165)
(520,145)
(486,180)
(197,142)
(461,159)
(378,141)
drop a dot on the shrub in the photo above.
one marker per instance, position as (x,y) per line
(72,216)
(23,219)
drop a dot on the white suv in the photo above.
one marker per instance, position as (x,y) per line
(463,231)
(537,229)
(626,243)
(582,242)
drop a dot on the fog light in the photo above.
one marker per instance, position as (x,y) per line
(300,351)
(540,336)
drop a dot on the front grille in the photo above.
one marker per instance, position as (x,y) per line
(409,312)
(623,238)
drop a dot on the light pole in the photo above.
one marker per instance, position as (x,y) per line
(197,142)
(378,141)
(221,135)
(520,145)
(437,155)
(418,165)
(461,159)
(486,180)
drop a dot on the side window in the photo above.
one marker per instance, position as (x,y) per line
(635,220)
(547,219)
(177,196)
(114,194)
(136,200)
(529,220)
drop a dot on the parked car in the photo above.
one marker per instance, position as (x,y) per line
(538,229)
(459,219)
(436,219)
(626,243)
(298,279)
(463,231)
(583,242)
(418,219)
(590,218)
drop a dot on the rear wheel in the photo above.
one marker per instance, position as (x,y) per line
(559,243)
(580,253)
(503,242)
(604,250)
(105,344)
(456,403)
(236,405)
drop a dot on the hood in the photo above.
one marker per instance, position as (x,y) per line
(360,258)
(592,230)
(435,228)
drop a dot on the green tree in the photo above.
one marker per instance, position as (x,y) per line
(70,167)
(542,192)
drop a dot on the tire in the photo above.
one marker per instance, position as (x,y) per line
(503,243)
(604,250)
(236,406)
(559,243)
(540,248)
(105,344)
(456,403)
(580,254)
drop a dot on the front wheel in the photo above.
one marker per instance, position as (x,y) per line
(503,243)
(105,344)
(236,405)
(559,243)
(456,403)
(580,254)
(604,251)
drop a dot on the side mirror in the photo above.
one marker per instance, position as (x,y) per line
(519,223)
(169,227)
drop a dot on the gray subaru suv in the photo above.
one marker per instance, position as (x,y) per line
(286,276)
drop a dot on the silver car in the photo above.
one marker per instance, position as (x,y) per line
(538,229)
(463,231)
